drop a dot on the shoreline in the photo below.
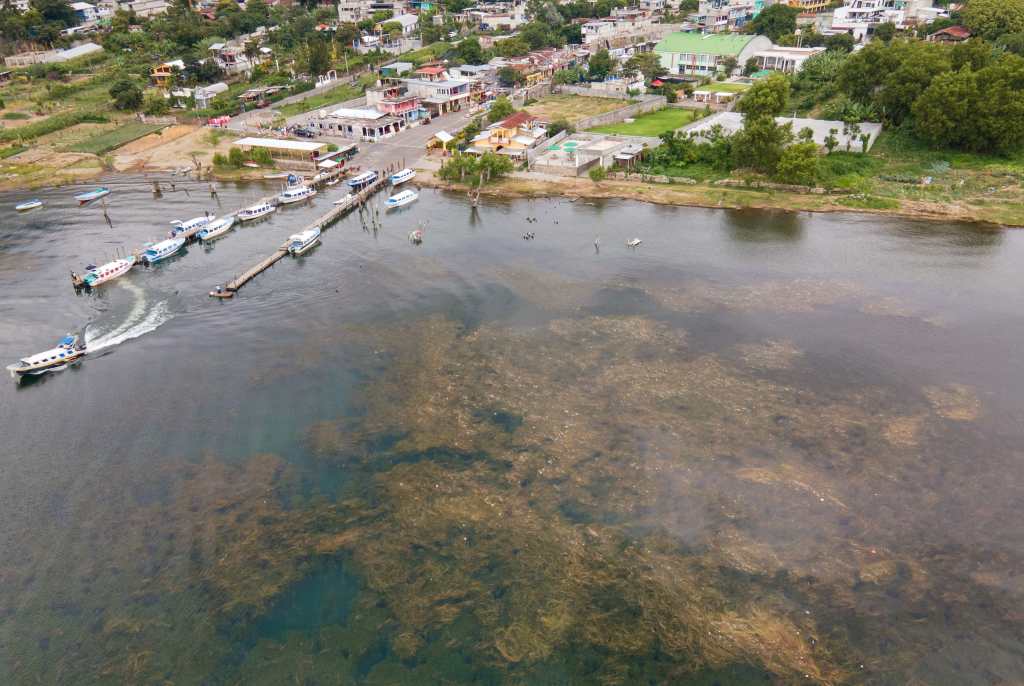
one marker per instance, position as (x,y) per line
(710,197)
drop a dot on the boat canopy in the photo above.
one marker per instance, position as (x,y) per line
(67,340)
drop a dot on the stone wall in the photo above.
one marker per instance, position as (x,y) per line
(648,103)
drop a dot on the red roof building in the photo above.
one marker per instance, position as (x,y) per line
(950,34)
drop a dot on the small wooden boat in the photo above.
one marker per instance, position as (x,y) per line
(301,242)
(400,199)
(88,197)
(28,205)
(216,228)
(401,177)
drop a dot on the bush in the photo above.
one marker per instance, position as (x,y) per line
(470,169)
(597,174)
(559,125)
(126,95)
(500,109)
(262,156)
(332,148)
(798,164)
(235,157)
(219,160)
(155,104)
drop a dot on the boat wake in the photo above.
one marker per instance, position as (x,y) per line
(140,321)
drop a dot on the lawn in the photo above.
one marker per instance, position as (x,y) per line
(111,140)
(315,102)
(721,87)
(653,123)
(572,108)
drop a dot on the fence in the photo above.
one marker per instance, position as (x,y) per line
(648,103)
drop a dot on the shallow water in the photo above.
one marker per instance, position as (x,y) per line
(761,447)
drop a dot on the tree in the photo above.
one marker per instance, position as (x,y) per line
(974,53)
(55,11)
(767,97)
(840,42)
(155,104)
(998,114)
(775,22)
(508,77)
(597,173)
(806,134)
(235,157)
(863,71)
(851,130)
(750,66)
(500,109)
(885,31)
(567,76)
(865,138)
(316,58)
(470,52)
(729,64)
(831,141)
(646,63)
(538,35)
(559,125)
(921,62)
(511,47)
(798,164)
(992,18)
(600,65)
(759,145)
(126,95)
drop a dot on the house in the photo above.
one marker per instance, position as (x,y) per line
(393,99)
(230,57)
(204,95)
(622,87)
(703,54)
(396,69)
(440,97)
(860,17)
(301,155)
(408,22)
(578,153)
(810,6)
(512,136)
(727,15)
(25,59)
(786,60)
(84,12)
(163,75)
(474,72)
(433,72)
(731,122)
(362,123)
(950,34)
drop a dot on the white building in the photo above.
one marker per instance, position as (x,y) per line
(409,23)
(727,15)
(731,122)
(786,60)
(860,17)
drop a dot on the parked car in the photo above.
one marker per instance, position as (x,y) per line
(303,132)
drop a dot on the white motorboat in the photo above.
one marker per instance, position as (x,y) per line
(401,177)
(96,194)
(301,242)
(347,200)
(216,228)
(94,276)
(400,199)
(28,205)
(68,350)
(633,243)
(189,227)
(256,211)
(295,194)
(162,250)
(362,180)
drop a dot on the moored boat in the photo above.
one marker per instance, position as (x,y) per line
(635,243)
(347,200)
(295,194)
(69,349)
(401,199)
(107,272)
(28,205)
(190,226)
(416,236)
(162,250)
(216,228)
(401,177)
(364,179)
(301,242)
(256,211)
(96,194)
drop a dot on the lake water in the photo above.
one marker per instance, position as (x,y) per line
(760,448)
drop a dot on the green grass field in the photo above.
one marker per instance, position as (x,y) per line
(315,102)
(652,123)
(724,87)
(111,140)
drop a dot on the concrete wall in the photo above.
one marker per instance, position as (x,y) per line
(648,103)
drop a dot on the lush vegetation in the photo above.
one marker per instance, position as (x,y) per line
(475,169)
(111,140)
(653,123)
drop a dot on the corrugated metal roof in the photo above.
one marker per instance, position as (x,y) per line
(704,44)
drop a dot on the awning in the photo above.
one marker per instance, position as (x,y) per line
(327,164)
(444,136)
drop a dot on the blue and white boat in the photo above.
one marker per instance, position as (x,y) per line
(88,197)
(28,205)
(301,242)
(162,250)
(364,179)
(256,211)
(189,227)
(401,177)
(68,350)
(296,194)
(216,228)
(400,199)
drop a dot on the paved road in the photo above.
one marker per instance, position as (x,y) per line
(408,146)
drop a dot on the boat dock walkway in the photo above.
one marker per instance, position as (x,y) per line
(334,214)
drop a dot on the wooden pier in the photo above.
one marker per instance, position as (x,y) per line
(325,220)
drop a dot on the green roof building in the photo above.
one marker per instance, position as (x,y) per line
(702,53)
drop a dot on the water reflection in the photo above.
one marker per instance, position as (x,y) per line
(758,226)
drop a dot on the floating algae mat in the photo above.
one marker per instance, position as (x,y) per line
(485,463)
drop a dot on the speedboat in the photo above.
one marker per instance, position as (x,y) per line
(189,227)
(295,194)
(162,250)
(634,243)
(96,194)
(29,205)
(107,272)
(301,242)
(364,179)
(256,211)
(400,199)
(401,177)
(68,349)
(216,228)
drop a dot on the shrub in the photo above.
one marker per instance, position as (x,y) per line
(155,104)
(235,157)
(219,160)
(597,174)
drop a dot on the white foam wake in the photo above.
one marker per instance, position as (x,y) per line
(140,321)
